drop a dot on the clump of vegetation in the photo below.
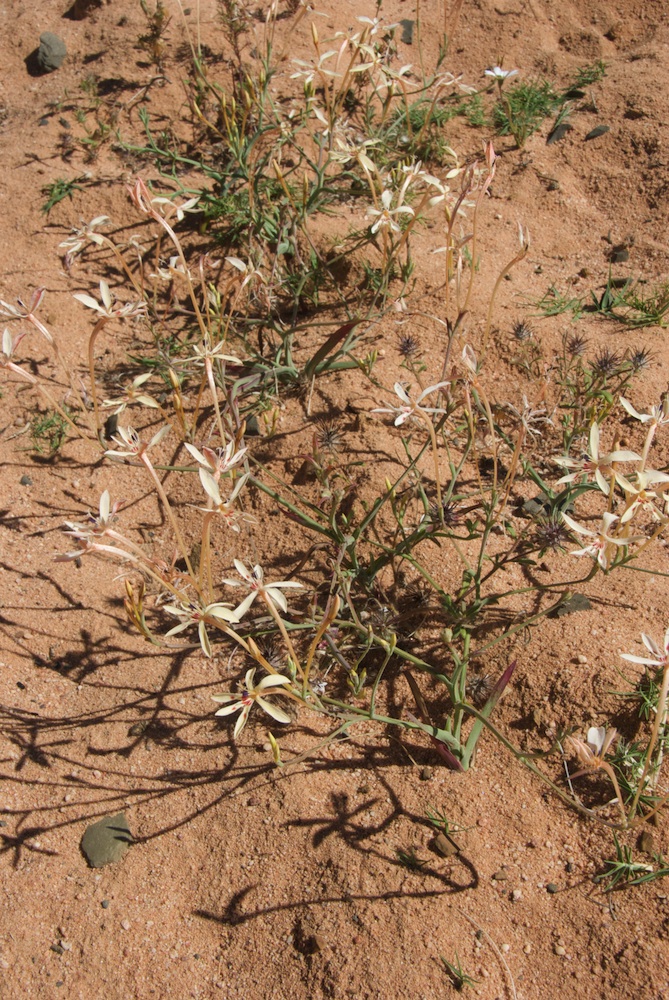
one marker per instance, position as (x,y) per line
(365,611)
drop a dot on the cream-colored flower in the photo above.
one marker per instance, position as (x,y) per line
(386,216)
(600,466)
(603,544)
(255,581)
(191,613)
(253,693)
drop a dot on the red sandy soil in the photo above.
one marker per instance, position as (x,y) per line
(245,881)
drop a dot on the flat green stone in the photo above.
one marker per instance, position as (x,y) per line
(106,841)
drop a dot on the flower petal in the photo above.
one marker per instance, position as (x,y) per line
(229,709)
(248,679)
(242,608)
(594,441)
(402,393)
(639,659)
(575,526)
(630,409)
(177,628)
(431,388)
(277,597)
(595,738)
(241,721)
(276,713)
(204,639)
(197,455)
(272,680)
(650,644)
(601,482)
(222,611)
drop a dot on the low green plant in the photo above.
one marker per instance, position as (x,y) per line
(474,111)
(408,858)
(626,301)
(555,303)
(48,433)
(59,190)
(623,871)
(589,74)
(460,979)
(521,109)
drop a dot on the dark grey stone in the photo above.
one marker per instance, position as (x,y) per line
(51,52)
(106,841)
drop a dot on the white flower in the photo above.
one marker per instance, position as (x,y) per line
(9,345)
(643,496)
(191,613)
(499,74)
(107,307)
(80,237)
(530,418)
(132,396)
(254,579)
(96,526)
(600,548)
(409,408)
(660,657)
(243,702)
(173,269)
(591,751)
(131,445)
(384,216)
(28,312)
(657,415)
(469,359)
(595,463)
(167,207)
(374,24)
(207,352)
(225,507)
(217,462)
(158,207)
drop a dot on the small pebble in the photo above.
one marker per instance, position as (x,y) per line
(505,948)
(581,658)
(528,948)
(646,843)
(500,876)
(57,948)
(426,774)
(125,924)
(560,950)
(51,52)
(25,481)
(552,888)
(105,904)
(516,895)
(444,845)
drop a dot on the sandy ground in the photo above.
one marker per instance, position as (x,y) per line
(247,882)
